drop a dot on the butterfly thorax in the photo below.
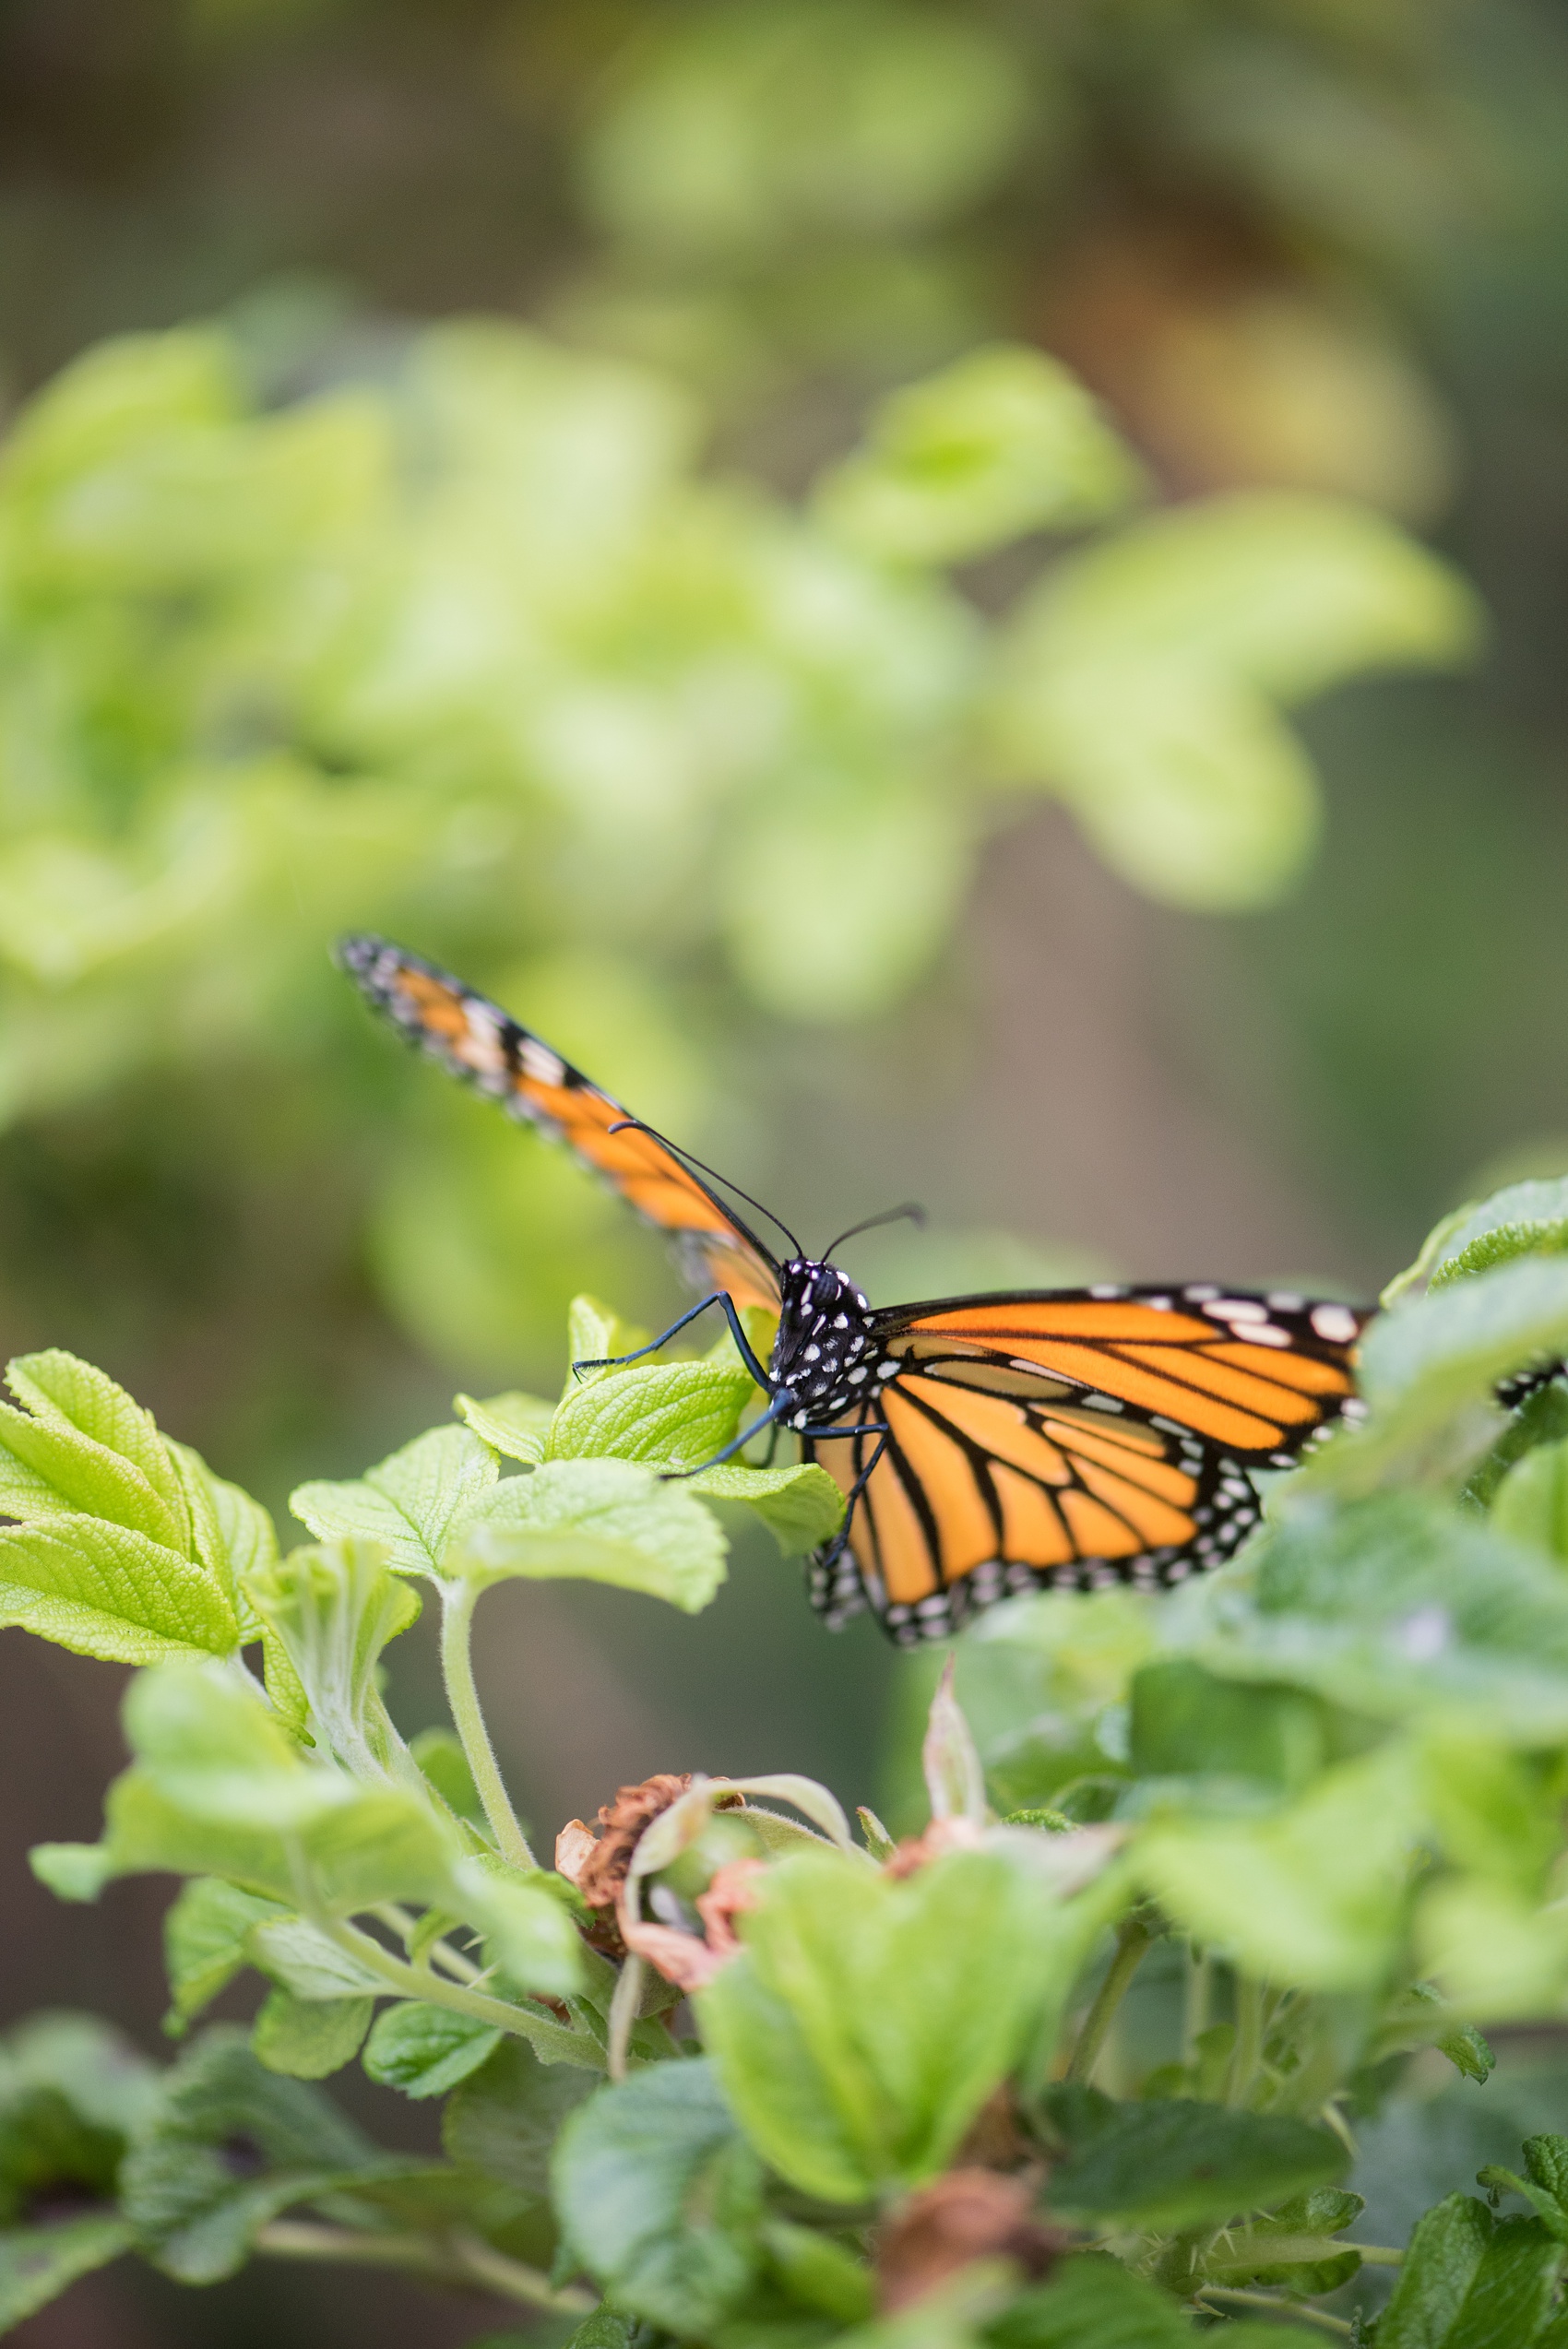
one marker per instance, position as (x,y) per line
(825,1353)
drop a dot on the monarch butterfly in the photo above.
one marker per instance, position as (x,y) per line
(984,1445)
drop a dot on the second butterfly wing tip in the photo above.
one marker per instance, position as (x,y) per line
(358,951)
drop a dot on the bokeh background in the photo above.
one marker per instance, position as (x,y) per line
(456,482)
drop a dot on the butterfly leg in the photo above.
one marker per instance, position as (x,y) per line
(719,1297)
(879,1428)
(783,1400)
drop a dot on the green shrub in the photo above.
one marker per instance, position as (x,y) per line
(1318,1796)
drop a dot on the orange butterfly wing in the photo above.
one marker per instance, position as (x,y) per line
(476,1040)
(1075,1438)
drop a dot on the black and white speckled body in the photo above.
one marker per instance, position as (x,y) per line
(825,1352)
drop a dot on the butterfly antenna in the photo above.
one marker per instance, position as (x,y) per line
(910,1212)
(638,1125)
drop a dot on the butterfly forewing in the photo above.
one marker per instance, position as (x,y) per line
(1075,1439)
(992,1443)
(476,1040)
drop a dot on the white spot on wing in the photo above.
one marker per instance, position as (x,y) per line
(1335,1323)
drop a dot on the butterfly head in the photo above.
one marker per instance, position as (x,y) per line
(825,1351)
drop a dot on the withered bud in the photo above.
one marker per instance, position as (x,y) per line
(943,1835)
(969,2214)
(601,1870)
(732,1890)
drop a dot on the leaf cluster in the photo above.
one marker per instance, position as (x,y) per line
(470,647)
(1203,1876)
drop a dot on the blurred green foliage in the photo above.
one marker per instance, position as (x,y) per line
(474,655)
(581,654)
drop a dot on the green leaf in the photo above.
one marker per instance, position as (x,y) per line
(530,1931)
(1293,2247)
(219,1789)
(72,2091)
(1091,2302)
(504,2118)
(1531,1502)
(441,1756)
(106,1590)
(801,1506)
(245,1528)
(1432,1353)
(38,2262)
(868,2020)
(1038,1678)
(659,2195)
(1469,2282)
(1000,444)
(676,1414)
(1400,1607)
(1525,1220)
(603,2329)
(1187,1723)
(426,2050)
(1139,681)
(596,1334)
(71,1871)
(1468,2052)
(97,1447)
(1314,1895)
(606,1521)
(301,1959)
(412,1504)
(205,1939)
(514,1424)
(309,2038)
(1299,2263)
(1174,2163)
(1546,2158)
(230,2145)
(332,1612)
(819,2272)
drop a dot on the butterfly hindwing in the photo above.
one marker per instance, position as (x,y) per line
(476,1040)
(1072,1438)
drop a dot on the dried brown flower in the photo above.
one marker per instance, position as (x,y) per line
(969,2214)
(601,1870)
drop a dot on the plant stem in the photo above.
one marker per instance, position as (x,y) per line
(1291,2309)
(1132,1941)
(1195,2011)
(1376,2255)
(510,2277)
(457,1670)
(418,1981)
(403,1921)
(1249,2040)
(459,2259)
(623,2017)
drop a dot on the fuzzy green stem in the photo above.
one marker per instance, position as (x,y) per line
(1196,2005)
(462,1696)
(1291,2309)
(1249,2041)
(623,2017)
(1132,1941)
(418,1981)
(459,2259)
(403,1922)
